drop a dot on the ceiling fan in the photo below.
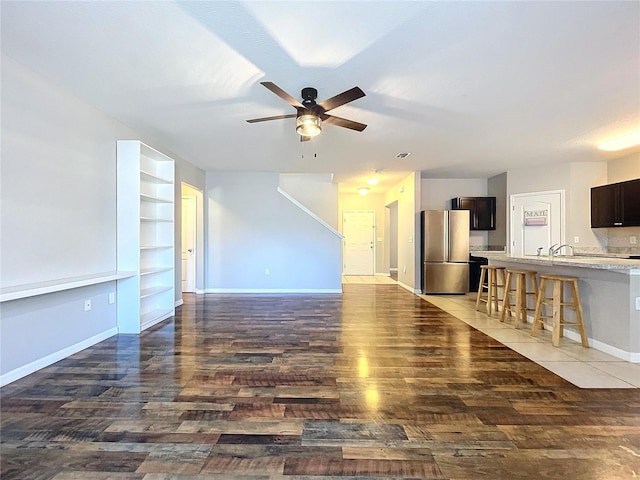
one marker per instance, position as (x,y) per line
(310,115)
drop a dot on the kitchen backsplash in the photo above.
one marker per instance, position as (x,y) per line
(620,240)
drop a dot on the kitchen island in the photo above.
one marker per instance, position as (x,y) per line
(609,290)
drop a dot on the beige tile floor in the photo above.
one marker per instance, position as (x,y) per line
(584,367)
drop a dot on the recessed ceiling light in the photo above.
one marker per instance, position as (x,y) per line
(373,181)
(363,190)
(621,143)
(402,155)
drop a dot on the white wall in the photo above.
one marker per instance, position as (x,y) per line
(407,194)
(393,236)
(252,227)
(576,179)
(624,168)
(317,192)
(58,197)
(497,187)
(583,176)
(58,219)
(58,182)
(436,194)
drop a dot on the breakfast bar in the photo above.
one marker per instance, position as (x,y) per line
(610,296)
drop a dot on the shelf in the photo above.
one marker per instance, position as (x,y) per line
(148,292)
(157,220)
(148,198)
(155,247)
(42,288)
(151,271)
(150,178)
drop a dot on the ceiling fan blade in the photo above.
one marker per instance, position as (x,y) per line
(282,94)
(277,117)
(304,139)
(343,122)
(342,98)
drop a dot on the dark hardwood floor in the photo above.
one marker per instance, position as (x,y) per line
(376,383)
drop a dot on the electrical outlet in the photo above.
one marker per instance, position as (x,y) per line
(576,239)
(112,297)
(633,240)
(87,305)
(267,271)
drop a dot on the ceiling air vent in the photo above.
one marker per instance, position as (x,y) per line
(402,155)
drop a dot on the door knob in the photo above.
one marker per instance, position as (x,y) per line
(190,250)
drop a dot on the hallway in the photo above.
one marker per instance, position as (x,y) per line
(375,383)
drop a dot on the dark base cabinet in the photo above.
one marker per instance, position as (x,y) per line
(482,211)
(474,271)
(616,205)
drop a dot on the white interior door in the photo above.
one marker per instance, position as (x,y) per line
(358,228)
(188,244)
(537,221)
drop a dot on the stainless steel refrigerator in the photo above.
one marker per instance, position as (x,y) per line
(445,251)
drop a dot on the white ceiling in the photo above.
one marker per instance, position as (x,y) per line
(470,89)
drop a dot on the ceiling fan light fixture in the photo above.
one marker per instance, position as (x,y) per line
(308,125)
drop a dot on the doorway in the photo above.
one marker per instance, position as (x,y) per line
(537,221)
(358,228)
(192,241)
(188,253)
(392,236)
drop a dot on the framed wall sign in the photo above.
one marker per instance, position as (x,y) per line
(536,217)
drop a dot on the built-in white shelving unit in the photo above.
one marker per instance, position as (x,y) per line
(145,236)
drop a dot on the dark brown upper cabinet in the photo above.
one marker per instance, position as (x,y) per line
(616,205)
(482,211)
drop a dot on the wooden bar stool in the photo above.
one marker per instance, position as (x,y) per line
(558,304)
(520,293)
(492,287)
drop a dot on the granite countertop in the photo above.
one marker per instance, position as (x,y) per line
(580,261)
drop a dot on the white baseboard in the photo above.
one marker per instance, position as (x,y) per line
(632,357)
(273,290)
(200,291)
(177,303)
(411,289)
(52,358)
(604,347)
(393,269)
(155,321)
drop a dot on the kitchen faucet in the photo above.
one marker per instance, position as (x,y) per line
(554,249)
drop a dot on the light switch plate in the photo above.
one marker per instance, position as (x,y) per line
(637,303)
(633,239)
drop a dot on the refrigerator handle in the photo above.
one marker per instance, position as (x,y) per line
(447,246)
